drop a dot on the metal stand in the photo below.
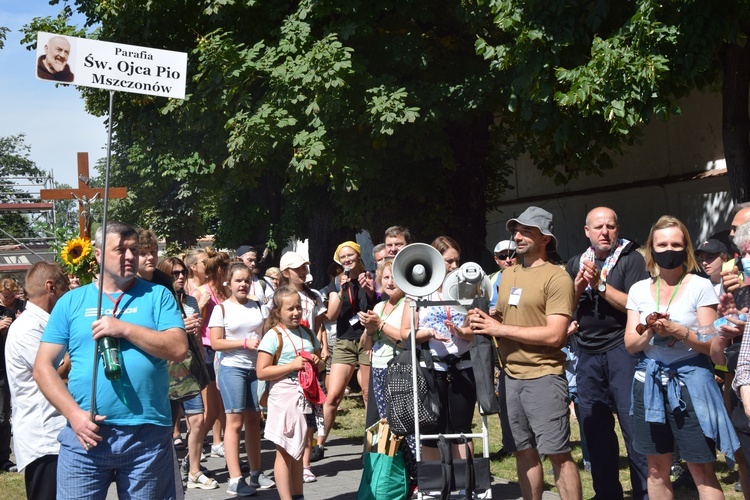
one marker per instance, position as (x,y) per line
(418,437)
(102,254)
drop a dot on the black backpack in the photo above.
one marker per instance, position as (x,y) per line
(399,393)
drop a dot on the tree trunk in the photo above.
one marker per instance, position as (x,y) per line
(735,62)
(322,242)
(470,143)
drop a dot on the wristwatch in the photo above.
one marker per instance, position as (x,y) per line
(602,286)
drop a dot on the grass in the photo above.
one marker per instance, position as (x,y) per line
(351,421)
(12,486)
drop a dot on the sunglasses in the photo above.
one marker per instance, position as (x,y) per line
(650,320)
(177,274)
(505,256)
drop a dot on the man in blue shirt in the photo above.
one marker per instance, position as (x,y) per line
(129,438)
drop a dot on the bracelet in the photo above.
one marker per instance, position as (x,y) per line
(687,334)
(244,344)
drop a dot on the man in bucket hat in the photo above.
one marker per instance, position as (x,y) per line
(533,311)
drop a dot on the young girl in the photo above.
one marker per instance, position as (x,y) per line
(293,269)
(236,327)
(286,425)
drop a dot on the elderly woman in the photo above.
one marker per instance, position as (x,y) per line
(675,398)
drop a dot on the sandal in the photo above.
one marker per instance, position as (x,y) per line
(308,476)
(179,444)
(201,482)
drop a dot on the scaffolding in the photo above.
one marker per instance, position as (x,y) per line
(21,195)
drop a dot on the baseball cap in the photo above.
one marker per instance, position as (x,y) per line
(243,249)
(291,260)
(538,218)
(505,245)
(711,246)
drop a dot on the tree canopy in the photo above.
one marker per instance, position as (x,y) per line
(311,117)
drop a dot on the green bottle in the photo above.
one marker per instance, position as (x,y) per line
(110,349)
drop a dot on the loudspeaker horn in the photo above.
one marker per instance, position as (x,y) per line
(418,269)
(465,284)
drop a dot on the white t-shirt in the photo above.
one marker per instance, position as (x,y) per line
(239,322)
(310,310)
(385,349)
(699,292)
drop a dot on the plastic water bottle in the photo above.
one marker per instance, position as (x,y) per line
(707,332)
(110,349)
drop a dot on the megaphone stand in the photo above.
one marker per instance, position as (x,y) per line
(418,437)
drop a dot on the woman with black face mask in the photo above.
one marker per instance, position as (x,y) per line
(675,397)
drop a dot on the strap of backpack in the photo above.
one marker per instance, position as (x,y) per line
(280,339)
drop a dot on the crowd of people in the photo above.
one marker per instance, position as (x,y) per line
(280,355)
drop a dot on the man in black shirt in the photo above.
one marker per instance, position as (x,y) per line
(603,274)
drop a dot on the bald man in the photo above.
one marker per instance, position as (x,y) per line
(730,275)
(53,65)
(602,276)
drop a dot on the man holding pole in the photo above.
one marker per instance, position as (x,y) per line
(126,436)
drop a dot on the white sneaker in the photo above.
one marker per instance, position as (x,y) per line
(308,476)
(217,450)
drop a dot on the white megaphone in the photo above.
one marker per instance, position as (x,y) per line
(465,284)
(418,269)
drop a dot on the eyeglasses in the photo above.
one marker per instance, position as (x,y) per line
(650,320)
(505,256)
(177,274)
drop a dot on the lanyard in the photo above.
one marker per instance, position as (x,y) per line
(391,311)
(116,302)
(351,299)
(671,297)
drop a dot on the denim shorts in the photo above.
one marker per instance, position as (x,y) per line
(193,406)
(140,459)
(239,389)
(681,428)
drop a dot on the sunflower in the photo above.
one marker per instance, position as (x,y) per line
(75,251)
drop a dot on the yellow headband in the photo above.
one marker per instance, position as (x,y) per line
(350,244)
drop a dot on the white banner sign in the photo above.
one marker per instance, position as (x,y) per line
(112,66)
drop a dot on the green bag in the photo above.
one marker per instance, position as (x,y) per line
(383,478)
(384,475)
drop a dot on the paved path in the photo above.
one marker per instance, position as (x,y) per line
(338,476)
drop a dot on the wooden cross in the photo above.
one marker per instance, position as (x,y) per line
(84,194)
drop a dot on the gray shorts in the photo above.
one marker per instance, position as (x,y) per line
(535,414)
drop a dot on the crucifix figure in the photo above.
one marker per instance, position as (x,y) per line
(85,195)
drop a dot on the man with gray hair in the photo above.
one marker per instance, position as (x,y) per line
(126,436)
(534,308)
(36,423)
(53,65)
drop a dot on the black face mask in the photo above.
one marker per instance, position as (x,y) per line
(669,259)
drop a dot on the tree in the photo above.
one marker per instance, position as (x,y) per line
(369,114)
(585,76)
(16,166)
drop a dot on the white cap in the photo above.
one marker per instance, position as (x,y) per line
(291,260)
(505,245)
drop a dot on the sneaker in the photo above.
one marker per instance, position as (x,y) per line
(217,450)
(308,476)
(201,482)
(240,489)
(185,467)
(587,465)
(203,457)
(317,453)
(738,487)
(260,481)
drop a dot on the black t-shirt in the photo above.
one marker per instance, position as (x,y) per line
(344,329)
(601,326)
(11,312)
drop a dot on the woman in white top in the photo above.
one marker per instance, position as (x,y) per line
(383,330)
(236,329)
(675,398)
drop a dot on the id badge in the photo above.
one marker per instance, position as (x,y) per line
(354,320)
(515,296)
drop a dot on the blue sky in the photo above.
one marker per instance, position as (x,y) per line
(53,118)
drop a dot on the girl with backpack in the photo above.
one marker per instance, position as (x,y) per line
(283,352)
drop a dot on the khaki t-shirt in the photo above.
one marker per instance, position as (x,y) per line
(544,290)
